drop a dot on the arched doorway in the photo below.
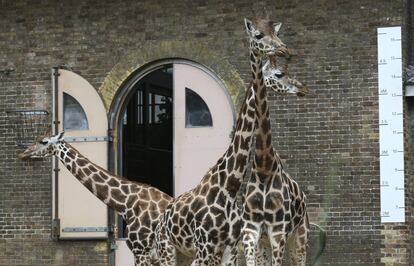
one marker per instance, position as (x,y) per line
(147,131)
(174,121)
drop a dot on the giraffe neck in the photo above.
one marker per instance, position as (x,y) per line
(264,152)
(97,180)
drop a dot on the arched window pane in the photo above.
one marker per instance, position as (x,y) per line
(74,117)
(197,113)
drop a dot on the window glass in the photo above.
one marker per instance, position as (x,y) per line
(74,117)
(197,113)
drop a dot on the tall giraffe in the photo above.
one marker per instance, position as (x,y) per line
(273,201)
(139,205)
(206,221)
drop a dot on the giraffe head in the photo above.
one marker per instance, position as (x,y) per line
(263,37)
(43,148)
(279,81)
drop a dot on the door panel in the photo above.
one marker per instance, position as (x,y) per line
(147,132)
(197,146)
(83,117)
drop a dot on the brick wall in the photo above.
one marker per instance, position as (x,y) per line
(329,139)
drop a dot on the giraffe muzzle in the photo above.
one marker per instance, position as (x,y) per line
(303,91)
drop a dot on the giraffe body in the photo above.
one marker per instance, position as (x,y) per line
(273,201)
(140,205)
(206,221)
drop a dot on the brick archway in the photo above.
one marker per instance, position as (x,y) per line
(169,50)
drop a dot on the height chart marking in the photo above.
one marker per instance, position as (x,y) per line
(391,135)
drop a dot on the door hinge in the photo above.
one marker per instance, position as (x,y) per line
(55,229)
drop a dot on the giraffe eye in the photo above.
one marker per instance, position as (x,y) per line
(259,35)
(43,142)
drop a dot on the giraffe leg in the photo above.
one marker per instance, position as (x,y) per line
(164,248)
(278,243)
(251,235)
(142,260)
(230,256)
(205,258)
(297,245)
(261,258)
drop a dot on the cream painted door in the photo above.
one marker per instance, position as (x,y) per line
(203,120)
(81,114)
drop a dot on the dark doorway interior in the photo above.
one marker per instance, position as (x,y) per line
(147,135)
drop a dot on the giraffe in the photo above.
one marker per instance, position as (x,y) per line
(206,220)
(140,205)
(273,201)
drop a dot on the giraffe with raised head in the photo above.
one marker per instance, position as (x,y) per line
(139,205)
(205,222)
(273,201)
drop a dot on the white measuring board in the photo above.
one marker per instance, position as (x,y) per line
(391,133)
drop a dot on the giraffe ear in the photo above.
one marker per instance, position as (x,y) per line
(277,26)
(249,27)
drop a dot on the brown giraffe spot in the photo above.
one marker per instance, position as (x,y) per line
(93,168)
(134,225)
(214,179)
(252,103)
(230,164)
(184,211)
(236,143)
(145,220)
(74,167)
(287,217)
(232,185)
(86,171)
(175,230)
(118,195)
(197,204)
(67,160)
(116,206)
(279,215)
(201,213)
(101,190)
(208,222)
(211,196)
(81,162)
(257,217)
(204,190)
(98,179)
(134,188)
(129,214)
(241,161)
(296,220)
(229,152)
(255,201)
(155,195)
(80,175)
(71,154)
(221,199)
(131,200)
(113,183)
(278,227)
(244,143)
(103,175)
(125,189)
(273,200)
